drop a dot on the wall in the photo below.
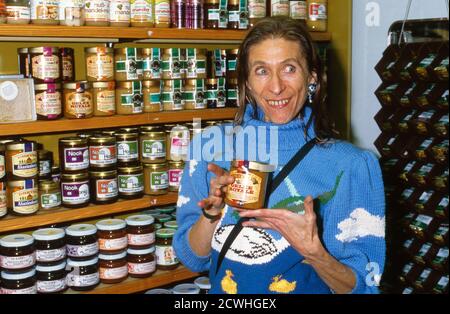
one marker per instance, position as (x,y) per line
(369,42)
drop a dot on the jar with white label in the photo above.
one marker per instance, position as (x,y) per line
(112,236)
(51,279)
(18,283)
(73,154)
(44,12)
(142,13)
(178,143)
(78,100)
(104,98)
(75,189)
(194,94)
(141,263)
(113,268)
(17,252)
(50,245)
(71,12)
(151,63)
(173,63)
(18,12)
(81,241)
(196,63)
(162,13)
(48,101)
(83,275)
(140,231)
(317,15)
(131,182)
(153,145)
(127,148)
(102,152)
(96,13)
(45,64)
(104,187)
(21,160)
(49,195)
(22,197)
(166,258)
(128,64)
(99,64)
(129,97)
(156,181)
(119,13)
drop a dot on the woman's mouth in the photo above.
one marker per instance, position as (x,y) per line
(278,104)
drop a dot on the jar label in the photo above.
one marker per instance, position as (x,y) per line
(82,250)
(106,101)
(424,249)
(154,98)
(233,16)
(134,100)
(107,189)
(51,255)
(100,66)
(44,10)
(141,11)
(44,167)
(131,183)
(280,8)
(79,104)
(223,14)
(75,193)
(96,11)
(48,104)
(2,166)
(179,147)
(45,67)
(17,262)
(443,282)
(127,150)
(424,220)
(231,65)
(317,11)
(159,180)
(119,11)
(3,206)
(102,155)
(153,148)
(17,13)
(76,158)
(175,177)
(232,94)
(256,9)
(141,239)
(246,187)
(51,286)
(298,10)
(25,164)
(51,200)
(67,68)
(113,244)
(425,197)
(213,14)
(30,290)
(162,12)
(25,201)
(425,274)
(113,273)
(70,10)
(141,268)
(82,281)
(165,255)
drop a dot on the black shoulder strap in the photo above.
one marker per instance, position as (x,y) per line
(273,185)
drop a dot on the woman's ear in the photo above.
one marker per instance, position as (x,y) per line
(313,78)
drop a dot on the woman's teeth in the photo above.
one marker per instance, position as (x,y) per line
(277,103)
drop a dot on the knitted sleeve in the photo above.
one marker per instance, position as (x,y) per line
(354,223)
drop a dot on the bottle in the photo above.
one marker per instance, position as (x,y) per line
(233,14)
(317,15)
(298,10)
(257,11)
(177,13)
(211,14)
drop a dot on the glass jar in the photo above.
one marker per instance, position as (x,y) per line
(231,60)
(151,63)
(131,182)
(18,12)
(232,93)
(196,63)
(172,95)
(21,160)
(113,268)
(19,283)
(162,13)
(178,13)
(194,14)
(22,197)
(211,93)
(50,245)
(45,64)
(81,241)
(17,252)
(156,179)
(104,96)
(97,13)
(49,195)
(112,236)
(129,98)
(51,279)
(166,258)
(99,64)
(204,284)
(128,63)
(152,96)
(24,59)
(141,262)
(84,275)
(73,154)
(211,14)
(221,92)
(153,145)
(44,12)
(233,14)
(317,15)
(178,143)
(67,64)
(172,64)
(104,187)
(45,164)
(257,11)
(142,13)
(56,174)
(102,152)
(175,172)
(119,13)
(127,148)
(75,190)
(47,98)
(194,94)
(71,12)
(78,100)
(140,231)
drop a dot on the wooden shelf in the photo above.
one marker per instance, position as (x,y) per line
(44,218)
(66,125)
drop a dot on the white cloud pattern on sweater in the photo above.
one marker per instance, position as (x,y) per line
(182,200)
(361,224)
(192,166)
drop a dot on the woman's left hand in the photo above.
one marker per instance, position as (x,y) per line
(299,230)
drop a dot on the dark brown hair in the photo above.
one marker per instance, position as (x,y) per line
(292,30)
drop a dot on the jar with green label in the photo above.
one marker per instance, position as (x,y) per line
(49,195)
(131,182)
(129,97)
(153,145)
(232,93)
(194,94)
(195,63)
(172,64)
(127,147)
(156,180)
(211,93)
(128,63)
(232,63)
(166,258)
(151,63)
(151,91)
(172,95)
(221,92)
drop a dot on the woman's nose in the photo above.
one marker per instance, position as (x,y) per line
(276,84)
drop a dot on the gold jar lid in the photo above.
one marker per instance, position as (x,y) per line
(56,169)
(130,84)
(151,128)
(211,81)
(211,122)
(73,140)
(42,49)
(109,132)
(42,153)
(48,185)
(172,51)
(212,1)
(39,87)
(84,135)
(8,140)
(80,86)
(149,51)
(18,145)
(98,50)
(169,126)
(151,83)
(234,51)
(130,169)
(75,176)
(124,135)
(23,50)
(99,138)
(129,130)
(123,51)
(21,183)
(233,81)
(176,164)
(154,134)
(156,167)
(254,165)
(103,174)
(108,85)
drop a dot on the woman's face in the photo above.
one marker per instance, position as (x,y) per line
(278,79)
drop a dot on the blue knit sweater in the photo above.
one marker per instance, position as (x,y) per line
(348,184)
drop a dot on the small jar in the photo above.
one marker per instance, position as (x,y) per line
(172,64)
(56,174)
(162,13)
(128,64)
(104,94)
(51,279)
(47,98)
(211,14)
(140,231)
(45,164)
(113,268)
(50,245)
(119,13)
(19,283)
(21,160)
(17,252)
(141,263)
(97,13)
(151,62)
(194,94)
(232,93)
(99,64)
(18,12)
(67,64)
(142,13)
(75,189)
(211,93)
(178,143)
(104,187)
(81,241)
(204,284)
(129,98)
(131,182)
(112,236)
(156,179)
(44,12)
(45,64)
(221,93)
(78,100)
(196,63)
(73,154)
(175,173)
(102,152)
(127,148)
(22,197)
(232,63)
(172,95)
(84,275)
(151,92)
(49,195)
(153,145)
(164,252)
(71,12)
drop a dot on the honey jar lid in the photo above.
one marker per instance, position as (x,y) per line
(176,164)
(98,50)
(101,138)
(139,220)
(18,276)
(73,140)
(81,230)
(112,257)
(111,224)
(254,165)
(203,283)
(23,50)
(89,262)
(128,130)
(186,288)
(108,85)
(172,224)
(109,132)
(165,233)
(48,185)
(42,49)
(75,176)
(150,51)
(233,51)
(151,83)
(151,128)
(141,252)
(49,268)
(167,209)
(48,234)
(16,240)
(129,169)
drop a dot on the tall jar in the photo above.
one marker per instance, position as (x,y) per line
(317,15)
(233,14)
(151,63)
(47,98)
(232,63)
(152,96)
(45,158)
(152,145)
(104,95)
(99,64)
(211,14)
(67,64)
(162,13)
(175,172)
(194,14)
(78,100)
(232,93)
(96,13)
(71,12)
(142,13)
(172,64)
(156,181)
(166,258)
(44,12)
(256,11)
(119,13)
(129,97)
(18,11)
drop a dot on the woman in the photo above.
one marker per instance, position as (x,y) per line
(333,245)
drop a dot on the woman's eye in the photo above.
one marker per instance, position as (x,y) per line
(261,71)
(289,69)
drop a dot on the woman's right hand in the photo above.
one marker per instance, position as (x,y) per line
(214,203)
